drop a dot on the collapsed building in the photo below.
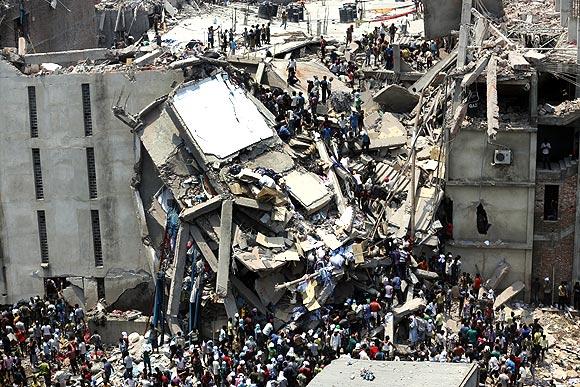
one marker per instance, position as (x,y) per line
(202,178)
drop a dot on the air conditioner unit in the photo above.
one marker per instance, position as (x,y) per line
(502,156)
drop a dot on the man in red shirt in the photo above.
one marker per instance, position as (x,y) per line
(375,307)
(476,284)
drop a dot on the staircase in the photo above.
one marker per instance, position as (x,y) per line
(559,170)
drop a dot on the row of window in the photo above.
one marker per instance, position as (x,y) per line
(87,113)
(91,173)
(91,176)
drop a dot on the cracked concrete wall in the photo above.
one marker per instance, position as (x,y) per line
(72,25)
(66,202)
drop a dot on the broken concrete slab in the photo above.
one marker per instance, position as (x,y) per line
(409,307)
(390,134)
(225,246)
(270,242)
(253,204)
(189,214)
(508,294)
(534,57)
(256,262)
(230,304)
(502,269)
(517,61)
(323,153)
(148,58)
(396,99)
(329,239)
(308,190)
(277,161)
(265,287)
(425,274)
(481,65)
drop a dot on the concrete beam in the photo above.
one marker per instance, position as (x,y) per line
(203,247)
(468,79)
(249,295)
(340,200)
(225,248)
(189,214)
(492,106)
(253,204)
(489,183)
(68,57)
(178,270)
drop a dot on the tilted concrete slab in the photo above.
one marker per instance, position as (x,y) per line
(189,214)
(396,99)
(308,190)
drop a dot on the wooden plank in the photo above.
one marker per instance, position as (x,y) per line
(492,106)
(203,247)
(225,248)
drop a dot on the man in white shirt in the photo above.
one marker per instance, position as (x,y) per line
(546,148)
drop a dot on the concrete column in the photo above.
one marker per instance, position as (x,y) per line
(564,12)
(534,99)
(178,270)
(572,28)
(464,32)
(396,58)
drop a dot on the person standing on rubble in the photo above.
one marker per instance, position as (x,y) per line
(392,32)
(562,295)
(284,20)
(349,32)
(322,47)
(324,89)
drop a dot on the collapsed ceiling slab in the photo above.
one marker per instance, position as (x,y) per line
(219,116)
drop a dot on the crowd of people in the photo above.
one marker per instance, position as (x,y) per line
(46,341)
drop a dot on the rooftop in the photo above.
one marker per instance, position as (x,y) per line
(347,372)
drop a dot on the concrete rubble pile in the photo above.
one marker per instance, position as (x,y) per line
(280,225)
(562,362)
